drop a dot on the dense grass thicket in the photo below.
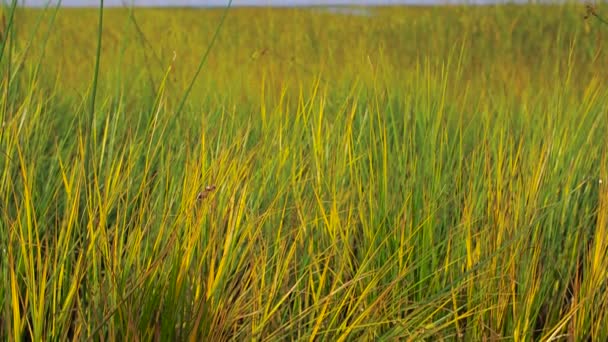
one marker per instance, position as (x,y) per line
(414,174)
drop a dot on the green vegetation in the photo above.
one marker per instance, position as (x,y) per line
(416,174)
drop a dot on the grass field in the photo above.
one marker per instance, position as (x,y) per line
(416,174)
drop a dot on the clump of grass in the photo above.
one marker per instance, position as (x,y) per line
(419,174)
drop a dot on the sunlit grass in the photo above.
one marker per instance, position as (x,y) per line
(420,173)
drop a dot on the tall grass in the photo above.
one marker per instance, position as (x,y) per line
(421,173)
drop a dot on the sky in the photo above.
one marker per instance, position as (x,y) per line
(221,3)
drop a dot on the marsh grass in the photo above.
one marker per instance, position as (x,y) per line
(422,173)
